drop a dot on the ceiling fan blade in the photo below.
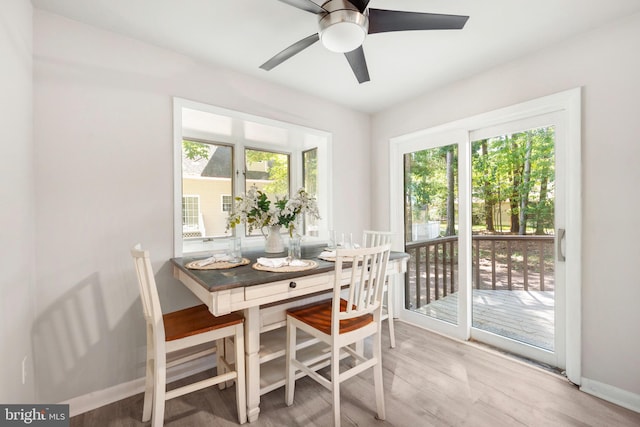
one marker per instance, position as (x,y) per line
(306,5)
(358,64)
(383,21)
(360,4)
(294,49)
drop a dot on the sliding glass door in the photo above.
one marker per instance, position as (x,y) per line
(483,209)
(517,202)
(431,231)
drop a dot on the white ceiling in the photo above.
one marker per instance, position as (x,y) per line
(242,34)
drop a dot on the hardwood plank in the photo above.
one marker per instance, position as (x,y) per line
(429,380)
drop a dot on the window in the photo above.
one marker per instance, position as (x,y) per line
(310,183)
(207,175)
(215,146)
(269,171)
(190,216)
(227,203)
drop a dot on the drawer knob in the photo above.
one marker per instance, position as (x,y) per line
(292,284)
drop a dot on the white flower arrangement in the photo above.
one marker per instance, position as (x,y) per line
(256,211)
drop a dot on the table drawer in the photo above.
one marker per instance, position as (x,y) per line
(286,287)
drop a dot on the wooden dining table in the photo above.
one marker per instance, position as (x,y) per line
(264,297)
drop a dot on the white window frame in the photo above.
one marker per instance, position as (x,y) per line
(297,143)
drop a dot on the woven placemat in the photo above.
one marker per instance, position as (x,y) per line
(193,265)
(311,264)
(333,259)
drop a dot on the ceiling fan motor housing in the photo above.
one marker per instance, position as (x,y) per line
(343,28)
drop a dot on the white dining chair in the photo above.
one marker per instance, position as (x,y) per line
(341,322)
(170,335)
(372,238)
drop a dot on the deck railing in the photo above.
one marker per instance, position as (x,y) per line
(511,262)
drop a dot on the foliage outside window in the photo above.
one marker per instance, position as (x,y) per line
(267,171)
(513,184)
(310,183)
(431,192)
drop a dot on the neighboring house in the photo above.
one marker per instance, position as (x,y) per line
(207,195)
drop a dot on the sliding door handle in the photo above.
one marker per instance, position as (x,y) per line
(559,238)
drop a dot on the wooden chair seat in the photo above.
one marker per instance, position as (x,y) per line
(195,320)
(183,336)
(318,316)
(342,323)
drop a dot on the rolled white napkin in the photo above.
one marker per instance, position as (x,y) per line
(328,254)
(273,262)
(214,258)
(297,263)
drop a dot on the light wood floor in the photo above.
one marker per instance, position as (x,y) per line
(429,381)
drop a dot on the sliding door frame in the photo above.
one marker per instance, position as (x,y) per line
(568,105)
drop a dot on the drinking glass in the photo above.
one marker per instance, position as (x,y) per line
(332,240)
(294,247)
(235,249)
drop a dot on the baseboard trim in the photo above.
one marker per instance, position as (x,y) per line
(612,394)
(96,399)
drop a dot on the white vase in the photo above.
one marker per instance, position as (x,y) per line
(273,243)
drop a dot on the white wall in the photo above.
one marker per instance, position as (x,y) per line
(606,63)
(103,142)
(16,200)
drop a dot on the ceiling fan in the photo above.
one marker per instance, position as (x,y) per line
(344,24)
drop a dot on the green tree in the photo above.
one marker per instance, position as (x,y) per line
(277,170)
(485,182)
(516,169)
(195,150)
(430,186)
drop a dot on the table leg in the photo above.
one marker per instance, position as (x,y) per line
(391,302)
(252,360)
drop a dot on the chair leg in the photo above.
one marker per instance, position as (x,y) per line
(377,375)
(335,384)
(241,386)
(159,390)
(390,312)
(290,368)
(149,378)
(221,353)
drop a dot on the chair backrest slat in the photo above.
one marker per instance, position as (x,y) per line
(148,290)
(372,238)
(366,280)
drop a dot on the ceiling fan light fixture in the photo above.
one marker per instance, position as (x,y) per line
(343,30)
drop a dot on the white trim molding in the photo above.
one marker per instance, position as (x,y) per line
(96,399)
(610,393)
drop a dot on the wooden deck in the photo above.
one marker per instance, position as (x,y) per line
(526,316)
